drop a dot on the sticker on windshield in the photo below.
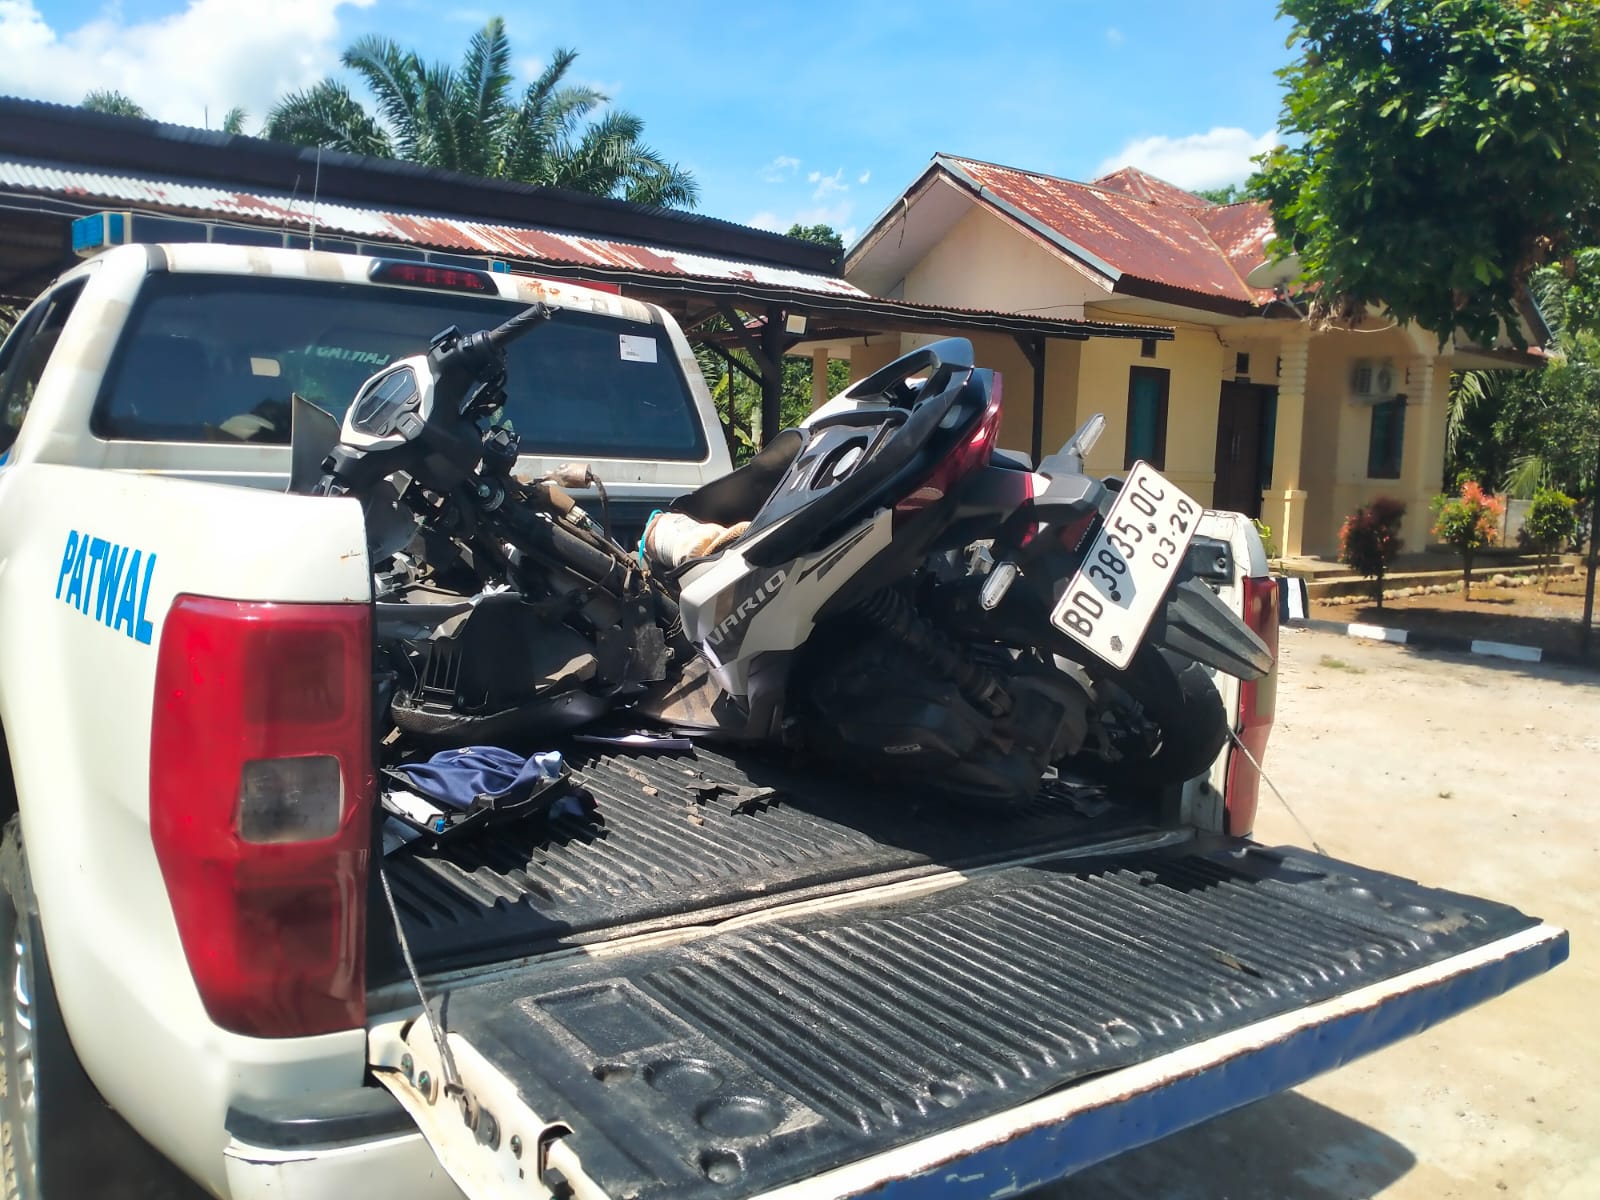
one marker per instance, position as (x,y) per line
(637,349)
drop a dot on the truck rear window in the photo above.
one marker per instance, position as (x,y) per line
(215,358)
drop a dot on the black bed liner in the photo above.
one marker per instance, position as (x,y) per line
(660,852)
(744,1059)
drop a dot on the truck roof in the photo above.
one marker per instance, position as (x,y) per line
(339,267)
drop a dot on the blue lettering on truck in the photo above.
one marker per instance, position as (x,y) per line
(107,581)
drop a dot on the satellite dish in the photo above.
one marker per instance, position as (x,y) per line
(1273,275)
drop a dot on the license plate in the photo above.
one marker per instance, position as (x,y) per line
(1109,603)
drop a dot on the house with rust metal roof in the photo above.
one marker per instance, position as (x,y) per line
(1247,408)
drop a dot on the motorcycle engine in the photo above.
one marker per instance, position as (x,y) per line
(881,706)
(494,668)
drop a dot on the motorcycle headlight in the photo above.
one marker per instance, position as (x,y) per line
(381,401)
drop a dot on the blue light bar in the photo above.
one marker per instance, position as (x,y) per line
(102,230)
(90,234)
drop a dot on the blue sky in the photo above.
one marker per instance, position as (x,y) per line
(819,111)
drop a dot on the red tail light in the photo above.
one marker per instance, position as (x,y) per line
(967,456)
(1258,701)
(261,788)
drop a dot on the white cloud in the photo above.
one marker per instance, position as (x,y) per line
(1200,160)
(830,202)
(827,185)
(836,215)
(780,169)
(213,54)
(1115,36)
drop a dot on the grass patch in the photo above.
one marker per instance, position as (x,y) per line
(1339,664)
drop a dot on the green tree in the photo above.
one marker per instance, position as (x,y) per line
(824,235)
(738,397)
(1229,194)
(1551,523)
(468,118)
(112,102)
(1541,428)
(1467,522)
(233,120)
(1441,149)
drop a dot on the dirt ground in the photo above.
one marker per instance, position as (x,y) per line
(1468,773)
(1526,616)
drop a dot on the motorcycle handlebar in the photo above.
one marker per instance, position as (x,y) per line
(503,335)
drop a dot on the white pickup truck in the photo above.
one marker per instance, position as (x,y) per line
(815,995)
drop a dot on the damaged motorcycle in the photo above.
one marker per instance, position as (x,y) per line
(878,587)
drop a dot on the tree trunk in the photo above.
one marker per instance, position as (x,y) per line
(1377,589)
(1466,574)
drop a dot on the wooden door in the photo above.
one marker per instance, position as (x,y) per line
(1240,423)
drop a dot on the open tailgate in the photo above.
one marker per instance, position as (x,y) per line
(987,1031)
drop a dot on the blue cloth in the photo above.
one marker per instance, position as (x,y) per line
(644,559)
(458,778)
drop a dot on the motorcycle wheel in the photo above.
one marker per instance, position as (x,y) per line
(1178,698)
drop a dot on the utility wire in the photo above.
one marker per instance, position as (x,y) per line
(447,1060)
(1315,845)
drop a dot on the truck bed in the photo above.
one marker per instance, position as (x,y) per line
(662,851)
(1068,1007)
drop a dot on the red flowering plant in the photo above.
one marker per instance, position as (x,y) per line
(1370,539)
(1469,522)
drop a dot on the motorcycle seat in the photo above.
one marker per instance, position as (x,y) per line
(737,496)
(815,478)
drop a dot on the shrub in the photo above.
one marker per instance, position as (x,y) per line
(1468,522)
(1264,531)
(1551,523)
(1369,540)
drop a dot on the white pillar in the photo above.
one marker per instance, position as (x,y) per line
(1283,505)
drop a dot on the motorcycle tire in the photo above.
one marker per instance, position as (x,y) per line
(1179,697)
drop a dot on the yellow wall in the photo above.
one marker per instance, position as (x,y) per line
(1194,359)
(1338,431)
(985,263)
(881,349)
(1001,354)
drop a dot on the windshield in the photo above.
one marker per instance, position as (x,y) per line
(215,358)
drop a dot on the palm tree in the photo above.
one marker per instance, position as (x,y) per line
(112,102)
(468,119)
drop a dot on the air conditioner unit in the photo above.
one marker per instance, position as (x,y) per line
(1374,379)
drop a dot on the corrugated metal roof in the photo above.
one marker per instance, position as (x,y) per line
(1206,250)
(455,234)
(1240,231)
(1134,182)
(35,131)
